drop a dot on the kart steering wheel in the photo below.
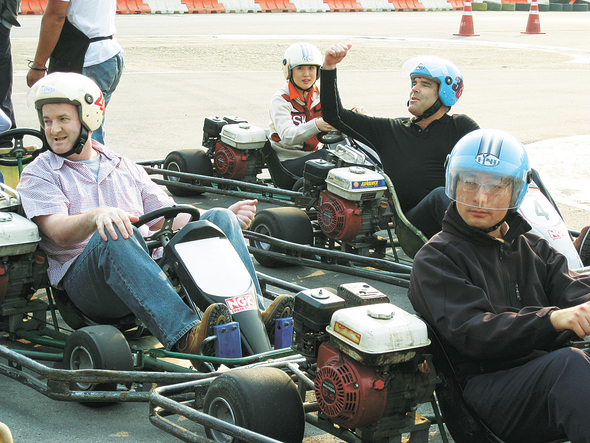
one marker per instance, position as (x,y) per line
(165,232)
(563,338)
(21,155)
(328,138)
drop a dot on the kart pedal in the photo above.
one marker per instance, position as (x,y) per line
(283,332)
(228,343)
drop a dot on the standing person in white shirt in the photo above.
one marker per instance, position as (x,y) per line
(103,59)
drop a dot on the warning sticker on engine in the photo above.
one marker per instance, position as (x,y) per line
(346,332)
(241,303)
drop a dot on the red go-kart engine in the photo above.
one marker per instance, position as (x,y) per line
(230,162)
(338,218)
(348,392)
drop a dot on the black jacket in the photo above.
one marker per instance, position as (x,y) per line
(9,11)
(412,158)
(490,299)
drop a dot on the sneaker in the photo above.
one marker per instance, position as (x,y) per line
(190,343)
(281,307)
(582,244)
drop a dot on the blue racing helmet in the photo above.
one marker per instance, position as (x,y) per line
(440,70)
(492,159)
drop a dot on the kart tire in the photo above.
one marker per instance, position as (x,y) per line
(97,347)
(191,161)
(298,186)
(263,400)
(289,224)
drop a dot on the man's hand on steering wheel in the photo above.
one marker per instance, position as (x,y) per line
(106,218)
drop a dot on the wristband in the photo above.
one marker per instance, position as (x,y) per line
(30,64)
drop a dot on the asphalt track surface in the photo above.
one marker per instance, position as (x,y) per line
(183,68)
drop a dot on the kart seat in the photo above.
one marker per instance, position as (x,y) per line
(281,176)
(76,319)
(461,420)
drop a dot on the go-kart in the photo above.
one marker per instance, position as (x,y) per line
(338,211)
(94,362)
(363,367)
(342,215)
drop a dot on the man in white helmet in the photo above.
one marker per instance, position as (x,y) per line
(412,149)
(84,198)
(295,110)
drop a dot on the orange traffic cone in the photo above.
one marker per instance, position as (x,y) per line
(466,27)
(533,25)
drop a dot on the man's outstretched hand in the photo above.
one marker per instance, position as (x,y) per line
(335,54)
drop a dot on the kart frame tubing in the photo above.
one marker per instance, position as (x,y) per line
(385,275)
(56,381)
(261,192)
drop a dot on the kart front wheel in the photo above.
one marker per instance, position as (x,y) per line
(263,400)
(289,224)
(191,161)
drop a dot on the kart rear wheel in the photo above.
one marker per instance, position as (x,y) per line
(191,161)
(263,400)
(97,347)
(290,224)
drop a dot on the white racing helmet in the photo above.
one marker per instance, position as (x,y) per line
(301,54)
(75,89)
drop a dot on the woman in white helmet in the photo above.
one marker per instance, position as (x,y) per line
(295,110)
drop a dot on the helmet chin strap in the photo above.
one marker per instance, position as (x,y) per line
(78,146)
(299,87)
(429,112)
(509,216)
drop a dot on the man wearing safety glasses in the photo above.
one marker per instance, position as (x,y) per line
(498,296)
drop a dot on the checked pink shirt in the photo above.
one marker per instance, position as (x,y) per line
(53,185)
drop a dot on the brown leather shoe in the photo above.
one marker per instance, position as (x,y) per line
(190,343)
(281,307)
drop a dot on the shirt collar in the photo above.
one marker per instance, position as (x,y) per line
(57,162)
(294,93)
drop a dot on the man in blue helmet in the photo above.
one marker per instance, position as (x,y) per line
(412,149)
(498,296)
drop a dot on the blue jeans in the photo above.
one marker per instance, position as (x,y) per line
(106,75)
(112,279)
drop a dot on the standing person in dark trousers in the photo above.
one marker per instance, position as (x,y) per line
(8,14)
(90,21)
(412,149)
(498,296)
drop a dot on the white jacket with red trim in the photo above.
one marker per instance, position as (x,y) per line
(292,126)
